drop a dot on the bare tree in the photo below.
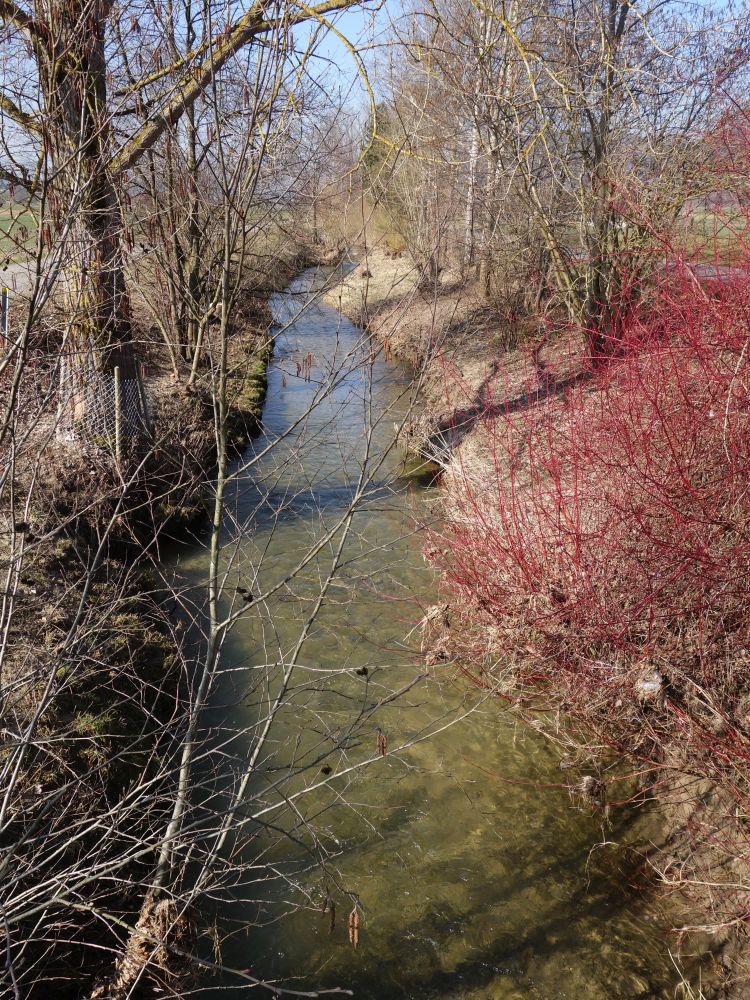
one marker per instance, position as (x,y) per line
(126,807)
(98,87)
(556,118)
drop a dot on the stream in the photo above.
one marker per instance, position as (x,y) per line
(471,879)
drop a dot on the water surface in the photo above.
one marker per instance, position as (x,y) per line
(471,878)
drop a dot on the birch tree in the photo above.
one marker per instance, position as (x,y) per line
(569,115)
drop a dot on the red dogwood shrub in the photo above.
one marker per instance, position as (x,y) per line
(596,544)
(603,539)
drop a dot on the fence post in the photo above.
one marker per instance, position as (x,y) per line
(118,417)
(60,397)
(4,313)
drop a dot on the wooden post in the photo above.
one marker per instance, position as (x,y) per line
(60,395)
(118,417)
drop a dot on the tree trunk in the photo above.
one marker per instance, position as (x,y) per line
(73,76)
(101,336)
(470,210)
(98,296)
(192,279)
(75,89)
(490,208)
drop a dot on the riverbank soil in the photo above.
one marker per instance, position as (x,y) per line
(94,667)
(594,536)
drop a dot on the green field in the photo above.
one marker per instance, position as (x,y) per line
(18,227)
(711,236)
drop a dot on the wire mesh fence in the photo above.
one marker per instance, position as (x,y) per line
(100,406)
(84,403)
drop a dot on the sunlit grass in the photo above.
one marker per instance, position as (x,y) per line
(710,236)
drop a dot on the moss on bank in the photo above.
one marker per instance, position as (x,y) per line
(248,381)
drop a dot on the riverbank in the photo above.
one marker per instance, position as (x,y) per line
(92,660)
(183,413)
(490,384)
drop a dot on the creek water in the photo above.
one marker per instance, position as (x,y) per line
(472,878)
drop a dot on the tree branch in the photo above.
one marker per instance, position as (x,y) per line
(11,178)
(193,83)
(22,118)
(10,13)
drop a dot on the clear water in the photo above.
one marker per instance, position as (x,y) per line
(473,879)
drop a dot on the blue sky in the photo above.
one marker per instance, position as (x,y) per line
(366,30)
